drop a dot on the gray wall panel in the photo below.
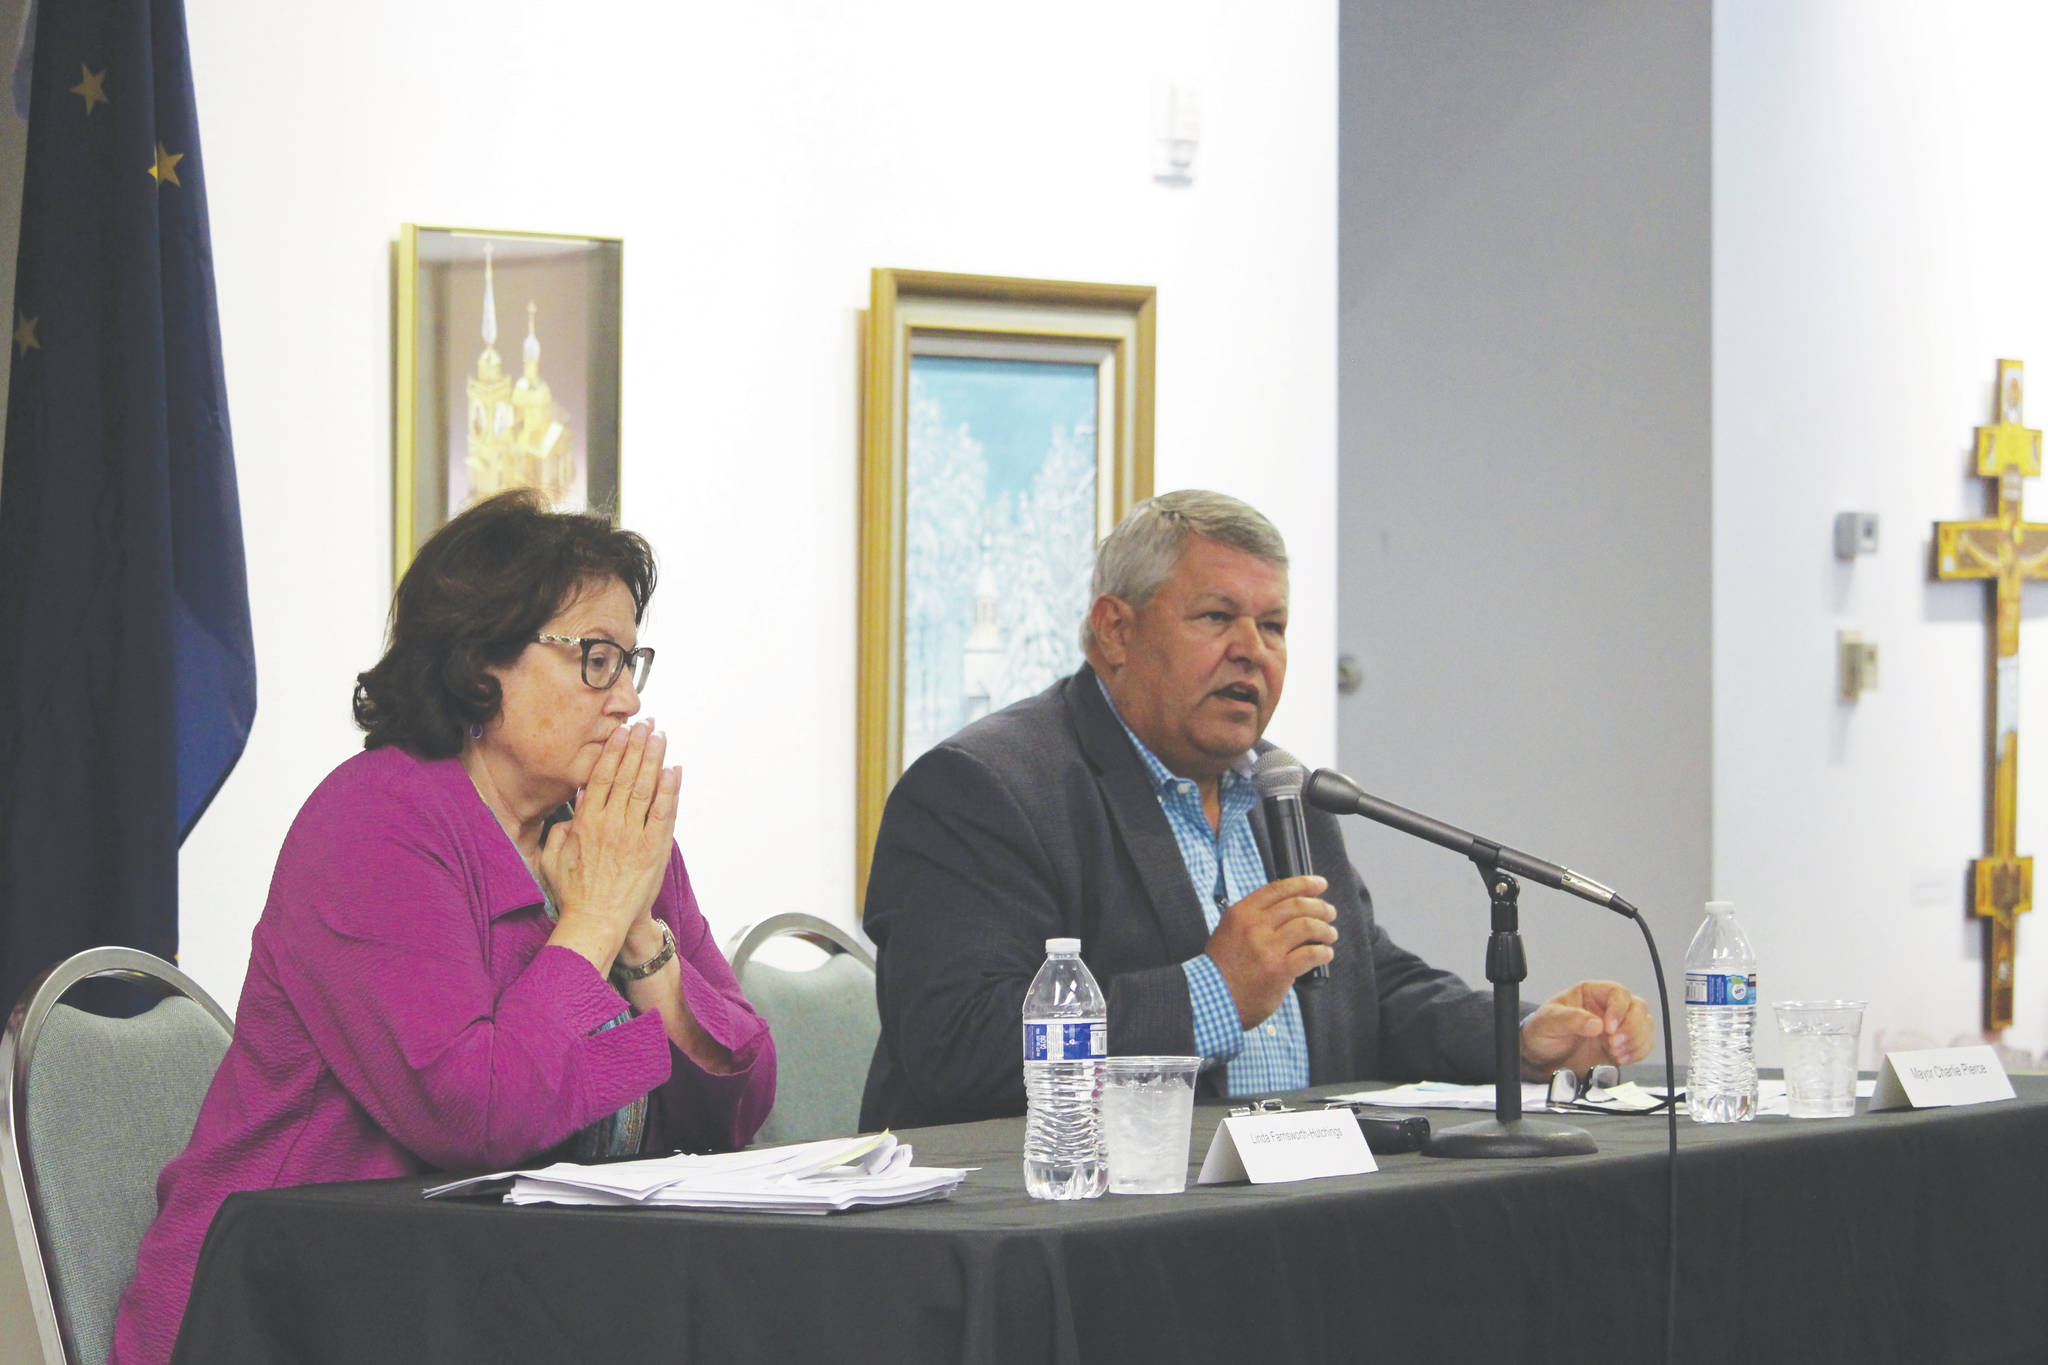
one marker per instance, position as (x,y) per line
(1524,430)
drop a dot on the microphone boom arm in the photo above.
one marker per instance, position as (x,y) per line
(1334,792)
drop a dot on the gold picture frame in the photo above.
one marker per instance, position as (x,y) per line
(479,406)
(992,398)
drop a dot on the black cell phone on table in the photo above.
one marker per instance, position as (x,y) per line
(1387,1135)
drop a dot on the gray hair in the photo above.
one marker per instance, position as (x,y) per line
(1135,558)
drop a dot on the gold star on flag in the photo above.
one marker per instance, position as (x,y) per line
(25,334)
(166,168)
(93,87)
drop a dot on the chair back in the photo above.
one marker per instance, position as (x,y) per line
(93,1109)
(824,1020)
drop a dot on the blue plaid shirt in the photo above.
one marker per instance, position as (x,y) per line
(1274,1055)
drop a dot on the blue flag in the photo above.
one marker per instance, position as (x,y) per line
(127,671)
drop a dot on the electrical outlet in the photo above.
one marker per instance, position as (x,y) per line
(1856,662)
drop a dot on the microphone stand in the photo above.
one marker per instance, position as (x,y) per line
(1507,1133)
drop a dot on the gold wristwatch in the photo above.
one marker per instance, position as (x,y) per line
(652,964)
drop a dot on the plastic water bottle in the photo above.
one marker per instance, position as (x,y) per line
(1066,1036)
(1720,1017)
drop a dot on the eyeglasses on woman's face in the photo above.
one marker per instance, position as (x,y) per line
(604,660)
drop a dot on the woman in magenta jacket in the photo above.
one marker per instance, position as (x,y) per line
(481,949)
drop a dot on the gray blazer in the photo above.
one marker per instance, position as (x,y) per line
(1040,822)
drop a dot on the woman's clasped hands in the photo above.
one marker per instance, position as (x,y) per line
(602,868)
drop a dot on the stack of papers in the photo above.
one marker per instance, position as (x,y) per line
(807,1177)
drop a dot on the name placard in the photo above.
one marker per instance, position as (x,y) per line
(1270,1149)
(1934,1077)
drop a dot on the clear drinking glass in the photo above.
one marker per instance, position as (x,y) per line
(1148,1110)
(1820,1056)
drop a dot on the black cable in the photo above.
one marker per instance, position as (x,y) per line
(1671,1128)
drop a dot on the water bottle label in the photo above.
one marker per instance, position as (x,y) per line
(1720,988)
(1076,1041)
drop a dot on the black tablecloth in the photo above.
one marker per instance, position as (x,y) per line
(1910,1237)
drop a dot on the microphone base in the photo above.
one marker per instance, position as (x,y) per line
(1515,1138)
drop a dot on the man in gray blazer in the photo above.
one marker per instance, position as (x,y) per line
(1116,807)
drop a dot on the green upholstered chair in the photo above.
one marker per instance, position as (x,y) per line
(94,1108)
(814,982)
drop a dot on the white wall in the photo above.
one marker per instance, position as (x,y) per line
(758,160)
(1878,195)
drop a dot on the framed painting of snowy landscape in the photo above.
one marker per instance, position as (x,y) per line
(1009,425)
(508,373)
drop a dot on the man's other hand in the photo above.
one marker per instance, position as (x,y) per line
(1591,1023)
(1269,938)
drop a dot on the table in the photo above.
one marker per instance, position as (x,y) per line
(1912,1237)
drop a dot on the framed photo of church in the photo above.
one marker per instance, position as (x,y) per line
(507,373)
(1008,426)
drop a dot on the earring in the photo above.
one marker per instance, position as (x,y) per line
(476,730)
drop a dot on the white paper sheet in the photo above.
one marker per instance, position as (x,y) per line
(1631,1098)
(1444,1095)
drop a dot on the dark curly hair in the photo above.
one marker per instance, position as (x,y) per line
(476,595)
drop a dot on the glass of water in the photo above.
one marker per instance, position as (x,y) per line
(1148,1109)
(1820,1056)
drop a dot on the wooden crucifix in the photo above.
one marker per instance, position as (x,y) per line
(2008,551)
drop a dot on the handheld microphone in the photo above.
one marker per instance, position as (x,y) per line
(1280,778)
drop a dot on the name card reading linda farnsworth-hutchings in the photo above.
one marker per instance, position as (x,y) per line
(1269,1149)
(1939,1076)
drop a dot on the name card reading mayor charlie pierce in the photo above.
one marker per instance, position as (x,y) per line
(1274,1147)
(1939,1076)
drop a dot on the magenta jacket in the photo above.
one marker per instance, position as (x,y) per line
(402,1014)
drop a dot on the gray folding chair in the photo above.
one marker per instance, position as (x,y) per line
(93,1109)
(824,1020)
